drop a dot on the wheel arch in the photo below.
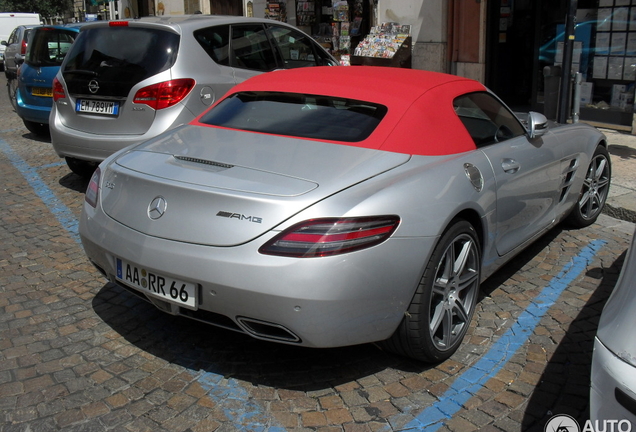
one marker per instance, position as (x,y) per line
(472,216)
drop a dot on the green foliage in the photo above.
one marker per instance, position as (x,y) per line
(46,8)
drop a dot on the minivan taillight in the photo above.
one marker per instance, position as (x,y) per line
(23,47)
(58,90)
(165,94)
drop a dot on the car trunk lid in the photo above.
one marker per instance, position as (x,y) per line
(223,187)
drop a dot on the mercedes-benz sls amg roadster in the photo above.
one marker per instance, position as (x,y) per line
(334,206)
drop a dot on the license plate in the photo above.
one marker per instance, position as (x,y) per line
(154,284)
(97,107)
(42,91)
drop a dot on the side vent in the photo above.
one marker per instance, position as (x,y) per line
(567,178)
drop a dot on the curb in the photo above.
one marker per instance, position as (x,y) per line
(619,213)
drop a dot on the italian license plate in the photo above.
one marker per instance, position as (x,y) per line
(42,91)
(151,283)
(97,107)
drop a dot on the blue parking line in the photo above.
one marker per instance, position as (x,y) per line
(249,418)
(473,379)
(64,216)
(430,419)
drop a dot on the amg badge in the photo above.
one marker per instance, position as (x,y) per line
(239,216)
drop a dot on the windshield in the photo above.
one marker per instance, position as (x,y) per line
(298,115)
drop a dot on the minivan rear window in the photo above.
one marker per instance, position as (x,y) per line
(48,46)
(118,58)
(297,115)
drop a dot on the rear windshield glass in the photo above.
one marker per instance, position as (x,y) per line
(119,57)
(298,115)
(49,46)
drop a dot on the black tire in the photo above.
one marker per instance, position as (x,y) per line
(446,295)
(39,129)
(12,88)
(81,167)
(594,192)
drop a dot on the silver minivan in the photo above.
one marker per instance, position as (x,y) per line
(124,82)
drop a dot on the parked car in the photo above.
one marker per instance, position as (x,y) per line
(111,93)
(613,390)
(47,48)
(8,22)
(337,206)
(15,49)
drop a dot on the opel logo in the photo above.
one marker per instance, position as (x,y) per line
(93,86)
(157,208)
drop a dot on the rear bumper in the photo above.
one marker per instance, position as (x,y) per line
(85,146)
(30,112)
(96,147)
(335,301)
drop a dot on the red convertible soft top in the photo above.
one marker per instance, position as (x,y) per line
(420,119)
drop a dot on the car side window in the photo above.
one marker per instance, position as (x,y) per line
(216,42)
(486,119)
(295,48)
(251,49)
(13,37)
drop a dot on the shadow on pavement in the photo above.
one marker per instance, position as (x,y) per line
(203,347)
(621,151)
(564,385)
(74,182)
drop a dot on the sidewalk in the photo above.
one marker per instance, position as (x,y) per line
(621,203)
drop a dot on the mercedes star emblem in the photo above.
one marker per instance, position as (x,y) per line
(157,208)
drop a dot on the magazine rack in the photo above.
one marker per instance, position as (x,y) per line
(401,58)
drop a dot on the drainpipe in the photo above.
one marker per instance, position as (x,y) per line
(568,48)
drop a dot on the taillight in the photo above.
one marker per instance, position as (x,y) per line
(331,236)
(118,23)
(92,191)
(165,94)
(23,47)
(58,90)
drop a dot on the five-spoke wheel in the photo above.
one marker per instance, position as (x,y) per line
(594,192)
(444,302)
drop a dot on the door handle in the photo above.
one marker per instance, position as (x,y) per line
(510,166)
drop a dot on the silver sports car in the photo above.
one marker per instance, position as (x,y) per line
(337,206)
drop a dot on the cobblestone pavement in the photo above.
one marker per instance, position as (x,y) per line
(80,354)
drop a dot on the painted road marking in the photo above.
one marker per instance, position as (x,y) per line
(472,380)
(64,216)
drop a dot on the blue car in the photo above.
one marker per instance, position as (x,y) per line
(47,47)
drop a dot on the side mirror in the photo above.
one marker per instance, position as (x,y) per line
(4,43)
(537,124)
